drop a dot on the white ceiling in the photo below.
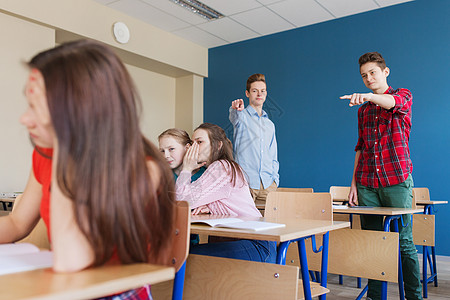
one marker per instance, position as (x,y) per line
(244,19)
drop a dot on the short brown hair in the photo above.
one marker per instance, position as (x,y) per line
(372,57)
(254,78)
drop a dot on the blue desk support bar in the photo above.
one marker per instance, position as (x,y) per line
(427,258)
(281,260)
(178,283)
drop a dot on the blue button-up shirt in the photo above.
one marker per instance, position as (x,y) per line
(255,146)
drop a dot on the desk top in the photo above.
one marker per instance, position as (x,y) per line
(385,211)
(426,202)
(294,229)
(87,284)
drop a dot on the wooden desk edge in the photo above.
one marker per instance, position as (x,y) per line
(80,285)
(277,235)
(425,202)
(376,211)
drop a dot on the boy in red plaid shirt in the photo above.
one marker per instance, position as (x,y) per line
(383,167)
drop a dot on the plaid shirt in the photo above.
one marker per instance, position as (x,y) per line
(383,141)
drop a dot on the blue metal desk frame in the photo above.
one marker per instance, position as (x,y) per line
(281,260)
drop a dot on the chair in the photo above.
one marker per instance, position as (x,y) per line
(424,235)
(286,205)
(218,278)
(178,256)
(340,194)
(261,206)
(314,206)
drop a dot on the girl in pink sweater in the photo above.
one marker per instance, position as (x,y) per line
(221,190)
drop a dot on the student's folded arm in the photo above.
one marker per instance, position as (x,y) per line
(205,190)
(25,215)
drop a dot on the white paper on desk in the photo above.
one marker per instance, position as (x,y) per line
(18,248)
(26,258)
(339,206)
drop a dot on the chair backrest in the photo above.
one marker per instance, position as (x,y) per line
(421,194)
(181,240)
(299,190)
(339,193)
(288,205)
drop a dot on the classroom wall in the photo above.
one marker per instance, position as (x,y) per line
(307,69)
(152,56)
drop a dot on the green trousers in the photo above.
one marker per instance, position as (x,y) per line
(399,195)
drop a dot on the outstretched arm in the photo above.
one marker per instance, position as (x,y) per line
(384,100)
(236,106)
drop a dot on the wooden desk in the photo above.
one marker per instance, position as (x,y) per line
(87,284)
(383,211)
(295,230)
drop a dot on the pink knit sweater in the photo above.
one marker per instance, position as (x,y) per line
(215,190)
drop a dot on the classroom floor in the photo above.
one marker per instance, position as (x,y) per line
(349,291)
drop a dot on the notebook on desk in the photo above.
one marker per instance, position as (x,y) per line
(22,257)
(236,223)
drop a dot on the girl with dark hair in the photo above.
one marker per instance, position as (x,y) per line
(102,189)
(221,190)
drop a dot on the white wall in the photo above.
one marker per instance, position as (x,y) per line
(157,94)
(152,56)
(20,41)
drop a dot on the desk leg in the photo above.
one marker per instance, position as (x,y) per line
(305,271)
(433,255)
(424,271)
(178,283)
(324,266)
(401,290)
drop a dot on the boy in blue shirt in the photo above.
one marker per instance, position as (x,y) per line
(255,144)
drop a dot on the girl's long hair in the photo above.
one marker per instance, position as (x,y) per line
(102,160)
(222,150)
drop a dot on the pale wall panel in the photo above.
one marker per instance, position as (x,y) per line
(20,41)
(157,94)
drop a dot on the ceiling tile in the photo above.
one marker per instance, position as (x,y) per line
(391,2)
(200,37)
(104,2)
(230,7)
(149,14)
(177,11)
(263,21)
(228,30)
(266,2)
(349,7)
(301,13)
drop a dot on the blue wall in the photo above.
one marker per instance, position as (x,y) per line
(307,69)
